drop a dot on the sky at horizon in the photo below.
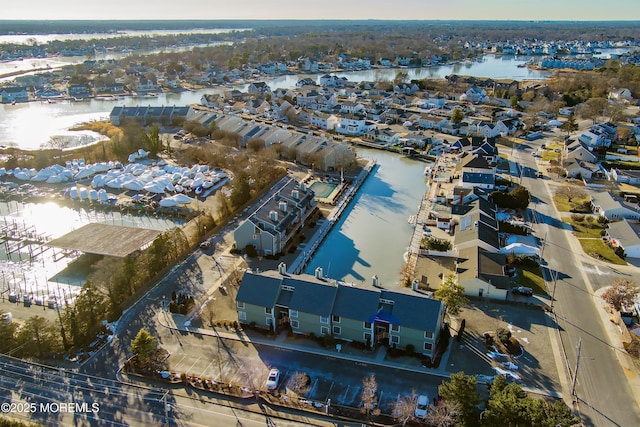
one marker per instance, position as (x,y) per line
(561,10)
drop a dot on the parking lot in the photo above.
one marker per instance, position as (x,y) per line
(528,323)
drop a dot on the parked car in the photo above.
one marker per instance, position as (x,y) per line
(522,290)
(422,403)
(273,379)
(205,245)
(539,174)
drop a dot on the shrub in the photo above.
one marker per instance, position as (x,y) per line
(577,217)
(410,349)
(504,335)
(251,252)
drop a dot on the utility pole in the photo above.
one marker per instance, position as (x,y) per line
(575,372)
(553,293)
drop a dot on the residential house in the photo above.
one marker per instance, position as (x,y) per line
(352,108)
(406,88)
(476,172)
(271,228)
(613,208)
(305,82)
(352,125)
(320,306)
(211,100)
(482,273)
(145,84)
(594,137)
(625,234)
(621,95)
(626,175)
(580,169)
(323,120)
(14,94)
(477,229)
(79,91)
(578,150)
(433,122)
(328,80)
(258,88)
(474,94)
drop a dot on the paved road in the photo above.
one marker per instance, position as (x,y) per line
(40,393)
(602,389)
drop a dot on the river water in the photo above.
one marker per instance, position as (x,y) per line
(31,125)
(373,233)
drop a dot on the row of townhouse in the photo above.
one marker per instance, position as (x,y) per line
(316,305)
(271,228)
(164,115)
(325,152)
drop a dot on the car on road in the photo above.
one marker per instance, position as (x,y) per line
(539,174)
(205,245)
(273,379)
(523,290)
(422,404)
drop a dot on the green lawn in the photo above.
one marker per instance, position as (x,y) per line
(531,277)
(563,204)
(585,229)
(550,155)
(597,249)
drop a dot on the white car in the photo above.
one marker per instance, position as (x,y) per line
(422,403)
(273,379)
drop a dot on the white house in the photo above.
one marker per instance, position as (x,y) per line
(612,208)
(476,172)
(352,125)
(621,95)
(323,120)
(625,234)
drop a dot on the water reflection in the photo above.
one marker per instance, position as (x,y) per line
(373,234)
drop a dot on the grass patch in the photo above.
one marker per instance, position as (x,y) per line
(531,277)
(588,235)
(562,202)
(597,249)
(103,128)
(585,229)
(549,155)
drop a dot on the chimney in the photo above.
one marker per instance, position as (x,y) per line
(415,285)
(303,186)
(283,205)
(273,216)
(295,194)
(318,272)
(282,268)
(375,281)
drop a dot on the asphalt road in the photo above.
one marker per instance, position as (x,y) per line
(58,397)
(604,397)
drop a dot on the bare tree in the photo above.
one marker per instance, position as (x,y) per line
(444,414)
(370,396)
(299,383)
(58,142)
(622,292)
(571,192)
(404,409)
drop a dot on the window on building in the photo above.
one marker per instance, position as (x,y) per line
(239,304)
(395,328)
(367,337)
(293,313)
(428,334)
(295,324)
(367,325)
(324,330)
(335,319)
(242,315)
(269,321)
(428,346)
(395,339)
(267,310)
(324,320)
(337,330)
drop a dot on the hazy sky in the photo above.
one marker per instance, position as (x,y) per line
(325,9)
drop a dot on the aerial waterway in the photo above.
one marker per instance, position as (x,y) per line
(372,234)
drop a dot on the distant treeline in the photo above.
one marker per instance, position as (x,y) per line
(488,30)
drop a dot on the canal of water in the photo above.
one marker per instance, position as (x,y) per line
(373,234)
